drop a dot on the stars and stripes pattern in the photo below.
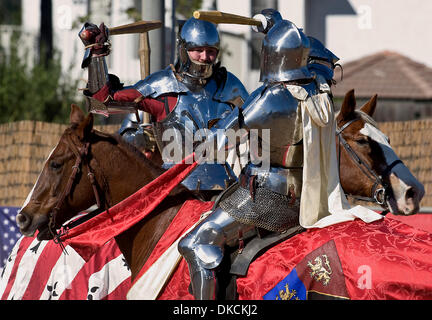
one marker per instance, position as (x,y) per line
(39,270)
(9,232)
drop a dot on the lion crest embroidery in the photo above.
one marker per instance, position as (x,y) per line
(321,269)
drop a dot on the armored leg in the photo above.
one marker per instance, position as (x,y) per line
(203,249)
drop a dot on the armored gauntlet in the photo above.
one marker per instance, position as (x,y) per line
(97,46)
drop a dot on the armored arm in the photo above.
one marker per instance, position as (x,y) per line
(95,40)
(101,85)
(235,94)
(138,134)
(223,135)
(269,108)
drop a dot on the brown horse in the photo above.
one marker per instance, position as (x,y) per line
(369,168)
(62,190)
(119,170)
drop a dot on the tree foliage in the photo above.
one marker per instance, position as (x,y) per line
(33,91)
(40,90)
(10,12)
(187,7)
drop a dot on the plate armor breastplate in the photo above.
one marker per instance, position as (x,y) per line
(196,108)
(270,197)
(274,108)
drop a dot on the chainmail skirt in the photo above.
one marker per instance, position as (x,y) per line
(269,210)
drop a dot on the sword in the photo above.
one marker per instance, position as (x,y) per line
(113,107)
(222,17)
(136,27)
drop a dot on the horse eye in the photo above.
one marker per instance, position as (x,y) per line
(55,165)
(362,141)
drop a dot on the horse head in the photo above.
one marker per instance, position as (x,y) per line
(53,190)
(86,167)
(369,167)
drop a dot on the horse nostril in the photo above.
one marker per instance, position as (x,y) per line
(22,220)
(410,193)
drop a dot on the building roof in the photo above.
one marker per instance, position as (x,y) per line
(389,74)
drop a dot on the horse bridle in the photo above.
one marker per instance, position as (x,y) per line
(378,195)
(81,155)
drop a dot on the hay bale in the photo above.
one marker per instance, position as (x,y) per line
(25,146)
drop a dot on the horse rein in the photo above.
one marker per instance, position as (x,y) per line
(81,156)
(378,195)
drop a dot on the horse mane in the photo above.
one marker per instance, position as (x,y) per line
(116,139)
(367,118)
(154,169)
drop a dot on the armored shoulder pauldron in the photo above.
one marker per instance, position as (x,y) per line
(229,89)
(159,83)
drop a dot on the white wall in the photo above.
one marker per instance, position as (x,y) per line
(368,27)
(123,60)
(377,25)
(293,10)
(234,38)
(65,37)
(239,61)
(30,15)
(350,28)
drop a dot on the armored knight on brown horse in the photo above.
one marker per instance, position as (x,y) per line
(192,95)
(300,187)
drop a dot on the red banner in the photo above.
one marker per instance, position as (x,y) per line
(89,236)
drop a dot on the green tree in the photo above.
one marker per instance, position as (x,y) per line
(10,12)
(38,91)
(187,7)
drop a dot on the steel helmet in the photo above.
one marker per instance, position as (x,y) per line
(196,33)
(284,53)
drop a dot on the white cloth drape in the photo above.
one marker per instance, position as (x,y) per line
(323,201)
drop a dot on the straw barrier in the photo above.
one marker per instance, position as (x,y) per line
(25,146)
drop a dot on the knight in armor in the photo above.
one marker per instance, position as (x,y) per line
(265,199)
(192,95)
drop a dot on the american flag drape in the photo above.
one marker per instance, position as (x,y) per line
(39,270)
(9,232)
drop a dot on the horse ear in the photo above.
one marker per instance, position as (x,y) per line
(369,107)
(76,115)
(84,124)
(348,105)
(85,127)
